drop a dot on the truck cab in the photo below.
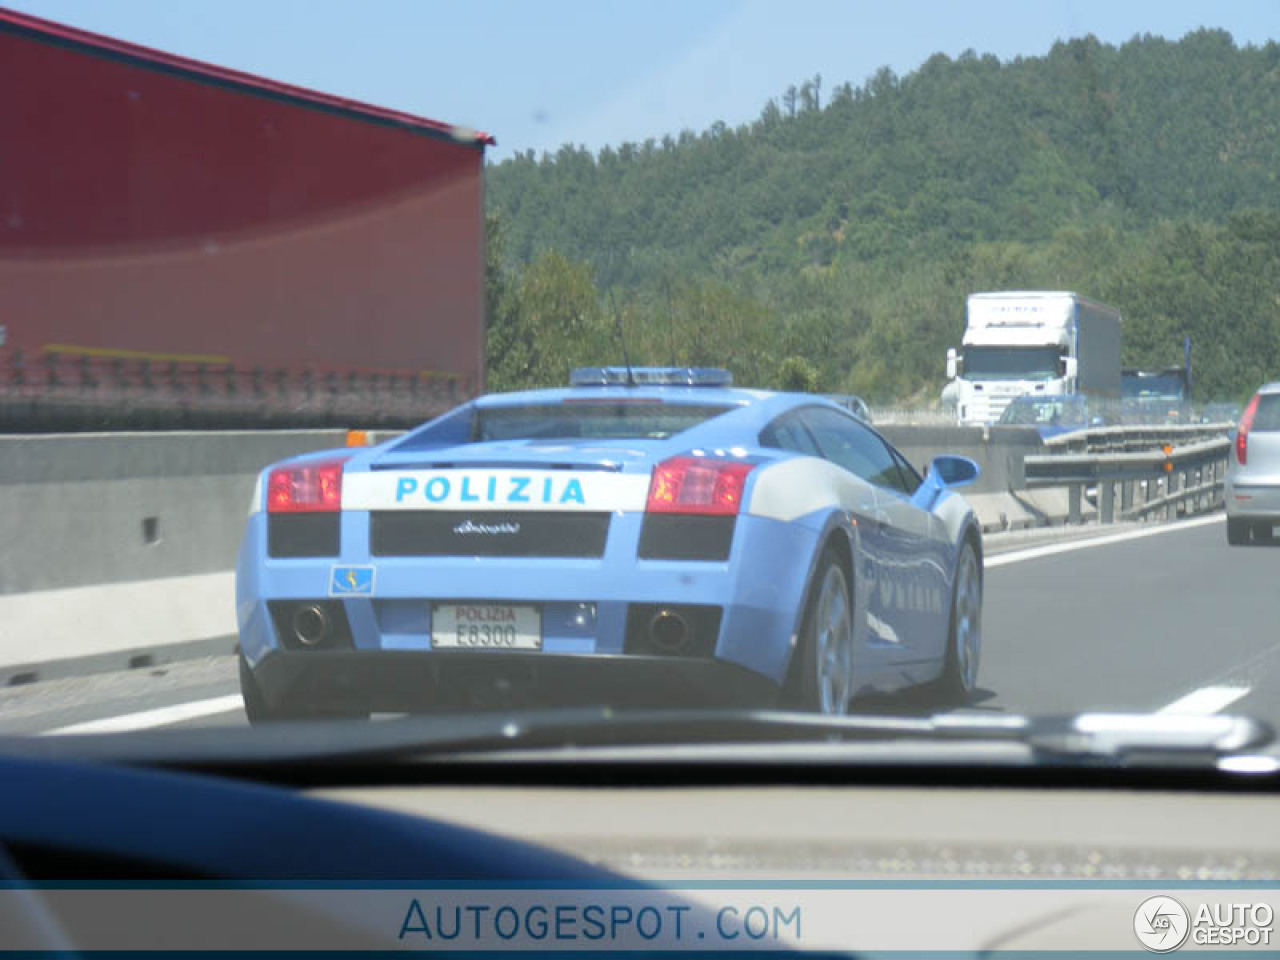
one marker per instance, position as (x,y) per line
(1028,343)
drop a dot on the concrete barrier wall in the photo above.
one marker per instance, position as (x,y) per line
(89,509)
(999,451)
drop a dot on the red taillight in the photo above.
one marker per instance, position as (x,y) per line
(1242,432)
(307,488)
(697,485)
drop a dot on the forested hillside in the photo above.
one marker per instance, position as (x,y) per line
(831,242)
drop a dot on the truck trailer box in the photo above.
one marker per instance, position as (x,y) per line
(180,239)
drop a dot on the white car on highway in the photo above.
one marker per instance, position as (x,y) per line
(1253,470)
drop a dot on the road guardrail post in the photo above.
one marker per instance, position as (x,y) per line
(1106,501)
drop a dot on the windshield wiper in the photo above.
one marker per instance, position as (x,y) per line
(1099,738)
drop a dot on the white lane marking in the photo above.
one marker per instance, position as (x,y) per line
(1049,550)
(159,717)
(1205,701)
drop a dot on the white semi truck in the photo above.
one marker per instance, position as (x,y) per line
(1031,343)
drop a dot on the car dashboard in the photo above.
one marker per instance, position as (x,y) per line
(630,818)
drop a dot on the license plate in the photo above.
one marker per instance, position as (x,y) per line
(485,626)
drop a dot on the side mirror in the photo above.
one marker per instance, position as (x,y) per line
(952,471)
(953,363)
(1069,368)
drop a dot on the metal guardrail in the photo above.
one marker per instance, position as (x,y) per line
(1168,480)
(1132,437)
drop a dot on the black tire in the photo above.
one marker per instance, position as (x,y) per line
(805,690)
(256,707)
(1237,532)
(260,711)
(959,677)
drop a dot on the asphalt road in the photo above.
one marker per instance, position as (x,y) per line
(1138,624)
(1134,619)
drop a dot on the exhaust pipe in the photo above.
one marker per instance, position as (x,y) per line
(668,631)
(311,625)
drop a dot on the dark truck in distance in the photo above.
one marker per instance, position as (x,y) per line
(184,245)
(1156,396)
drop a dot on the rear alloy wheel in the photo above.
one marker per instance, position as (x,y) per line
(823,682)
(1237,532)
(964,642)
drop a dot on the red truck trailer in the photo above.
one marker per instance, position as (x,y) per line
(186,245)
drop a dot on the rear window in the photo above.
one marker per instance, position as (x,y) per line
(1267,416)
(632,420)
(655,421)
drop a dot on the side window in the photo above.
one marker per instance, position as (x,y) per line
(1267,417)
(788,433)
(849,444)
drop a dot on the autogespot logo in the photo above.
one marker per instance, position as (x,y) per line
(1161,924)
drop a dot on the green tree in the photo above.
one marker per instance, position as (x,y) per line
(553,324)
(797,375)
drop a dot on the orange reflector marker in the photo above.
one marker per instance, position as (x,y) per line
(357,438)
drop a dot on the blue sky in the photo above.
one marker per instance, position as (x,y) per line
(596,72)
